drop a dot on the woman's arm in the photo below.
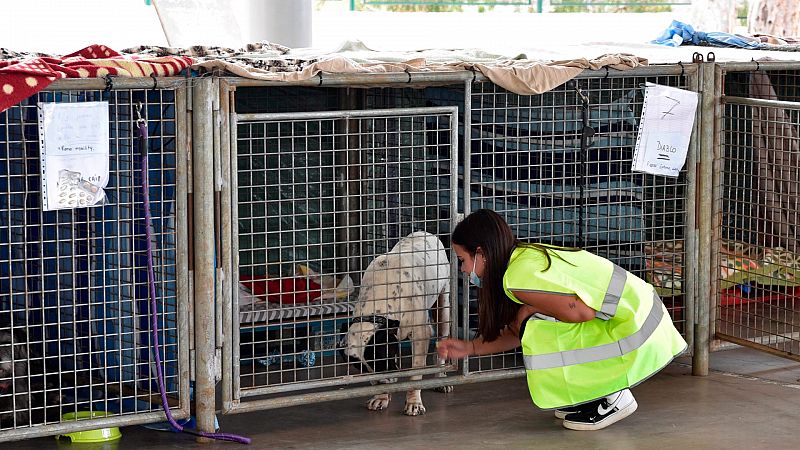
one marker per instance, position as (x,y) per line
(457,349)
(508,340)
(564,307)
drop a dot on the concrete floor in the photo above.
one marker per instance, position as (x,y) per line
(750,400)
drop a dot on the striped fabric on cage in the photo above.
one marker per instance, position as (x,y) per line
(25,75)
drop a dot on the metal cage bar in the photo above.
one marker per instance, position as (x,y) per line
(205,256)
(73,283)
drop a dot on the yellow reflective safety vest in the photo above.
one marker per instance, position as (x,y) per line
(631,338)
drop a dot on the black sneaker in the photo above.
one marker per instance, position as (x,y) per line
(608,411)
(564,412)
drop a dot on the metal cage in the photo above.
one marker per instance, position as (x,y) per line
(756,255)
(74,310)
(325,179)
(297,189)
(527,163)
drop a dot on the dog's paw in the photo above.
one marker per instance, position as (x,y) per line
(444,389)
(379,402)
(414,409)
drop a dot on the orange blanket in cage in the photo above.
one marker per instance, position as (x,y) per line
(25,75)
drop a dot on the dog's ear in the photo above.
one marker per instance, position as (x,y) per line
(393,356)
(384,350)
(342,340)
(371,352)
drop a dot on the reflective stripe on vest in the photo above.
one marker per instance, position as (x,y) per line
(615,287)
(600,352)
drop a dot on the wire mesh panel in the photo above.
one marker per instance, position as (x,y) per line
(758,265)
(74,311)
(332,290)
(526,163)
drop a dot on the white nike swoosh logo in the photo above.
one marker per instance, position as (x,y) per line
(604,411)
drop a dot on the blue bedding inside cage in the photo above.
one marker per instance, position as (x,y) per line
(77,279)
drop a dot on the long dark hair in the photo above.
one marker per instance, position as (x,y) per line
(486,229)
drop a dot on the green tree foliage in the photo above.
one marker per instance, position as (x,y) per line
(409,6)
(558,6)
(429,5)
(584,6)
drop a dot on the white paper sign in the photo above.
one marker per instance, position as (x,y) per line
(664,130)
(216,19)
(73,144)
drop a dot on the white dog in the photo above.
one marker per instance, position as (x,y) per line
(397,292)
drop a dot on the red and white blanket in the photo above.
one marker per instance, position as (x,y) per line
(22,75)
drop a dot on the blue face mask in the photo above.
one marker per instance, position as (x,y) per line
(474,279)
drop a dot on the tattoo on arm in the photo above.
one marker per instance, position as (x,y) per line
(572,305)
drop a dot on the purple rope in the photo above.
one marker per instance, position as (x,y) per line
(142,125)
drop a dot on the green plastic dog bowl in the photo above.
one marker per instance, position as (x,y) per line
(90,436)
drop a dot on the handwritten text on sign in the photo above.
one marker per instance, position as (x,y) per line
(664,130)
(73,141)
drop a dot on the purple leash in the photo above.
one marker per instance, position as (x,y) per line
(142,125)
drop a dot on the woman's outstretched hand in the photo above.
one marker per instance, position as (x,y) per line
(454,348)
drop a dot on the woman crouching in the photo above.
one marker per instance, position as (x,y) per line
(589,330)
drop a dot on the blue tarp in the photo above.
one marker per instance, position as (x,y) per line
(679,33)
